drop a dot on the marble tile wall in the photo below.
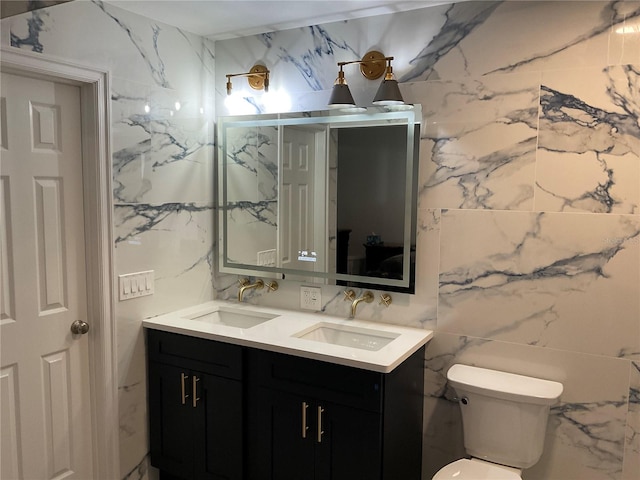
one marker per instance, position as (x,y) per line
(162,152)
(528,255)
(528,222)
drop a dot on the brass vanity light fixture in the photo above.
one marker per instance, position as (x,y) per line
(258,78)
(372,66)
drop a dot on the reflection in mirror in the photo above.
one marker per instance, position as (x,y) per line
(250,194)
(370,194)
(325,197)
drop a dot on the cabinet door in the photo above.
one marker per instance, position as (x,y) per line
(171,436)
(350,447)
(279,445)
(217,427)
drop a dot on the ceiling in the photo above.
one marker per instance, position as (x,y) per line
(224,19)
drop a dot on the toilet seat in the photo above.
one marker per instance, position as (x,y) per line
(475,469)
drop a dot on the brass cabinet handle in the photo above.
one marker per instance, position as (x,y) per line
(320,431)
(194,384)
(183,377)
(305,405)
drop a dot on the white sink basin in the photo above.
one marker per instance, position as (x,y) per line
(231,317)
(348,336)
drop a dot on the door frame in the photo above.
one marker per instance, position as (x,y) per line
(98,223)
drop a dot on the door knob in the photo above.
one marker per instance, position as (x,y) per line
(79,327)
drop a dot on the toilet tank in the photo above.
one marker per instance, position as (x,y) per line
(504,415)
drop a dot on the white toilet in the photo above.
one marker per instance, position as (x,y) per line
(504,418)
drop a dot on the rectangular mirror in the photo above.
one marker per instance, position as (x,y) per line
(325,197)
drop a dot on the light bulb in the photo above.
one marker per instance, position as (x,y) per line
(236,104)
(276,101)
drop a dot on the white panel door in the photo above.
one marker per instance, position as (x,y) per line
(44,376)
(301,221)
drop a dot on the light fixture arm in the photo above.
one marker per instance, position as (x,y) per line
(370,64)
(258,78)
(364,62)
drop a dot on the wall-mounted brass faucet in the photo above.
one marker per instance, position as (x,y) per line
(350,296)
(245,285)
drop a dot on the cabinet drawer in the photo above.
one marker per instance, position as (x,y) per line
(208,356)
(336,383)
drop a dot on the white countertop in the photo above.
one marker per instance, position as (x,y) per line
(279,334)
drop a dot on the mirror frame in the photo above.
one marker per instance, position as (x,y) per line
(410,115)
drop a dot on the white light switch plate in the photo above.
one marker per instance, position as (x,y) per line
(311,298)
(134,285)
(267,258)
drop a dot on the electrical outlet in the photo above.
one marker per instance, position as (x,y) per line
(311,298)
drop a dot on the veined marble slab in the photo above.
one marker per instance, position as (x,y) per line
(478,141)
(555,280)
(589,141)
(129,46)
(162,145)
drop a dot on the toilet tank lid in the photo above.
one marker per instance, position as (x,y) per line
(483,380)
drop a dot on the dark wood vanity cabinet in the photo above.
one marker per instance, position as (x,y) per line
(280,447)
(221,411)
(195,407)
(311,420)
